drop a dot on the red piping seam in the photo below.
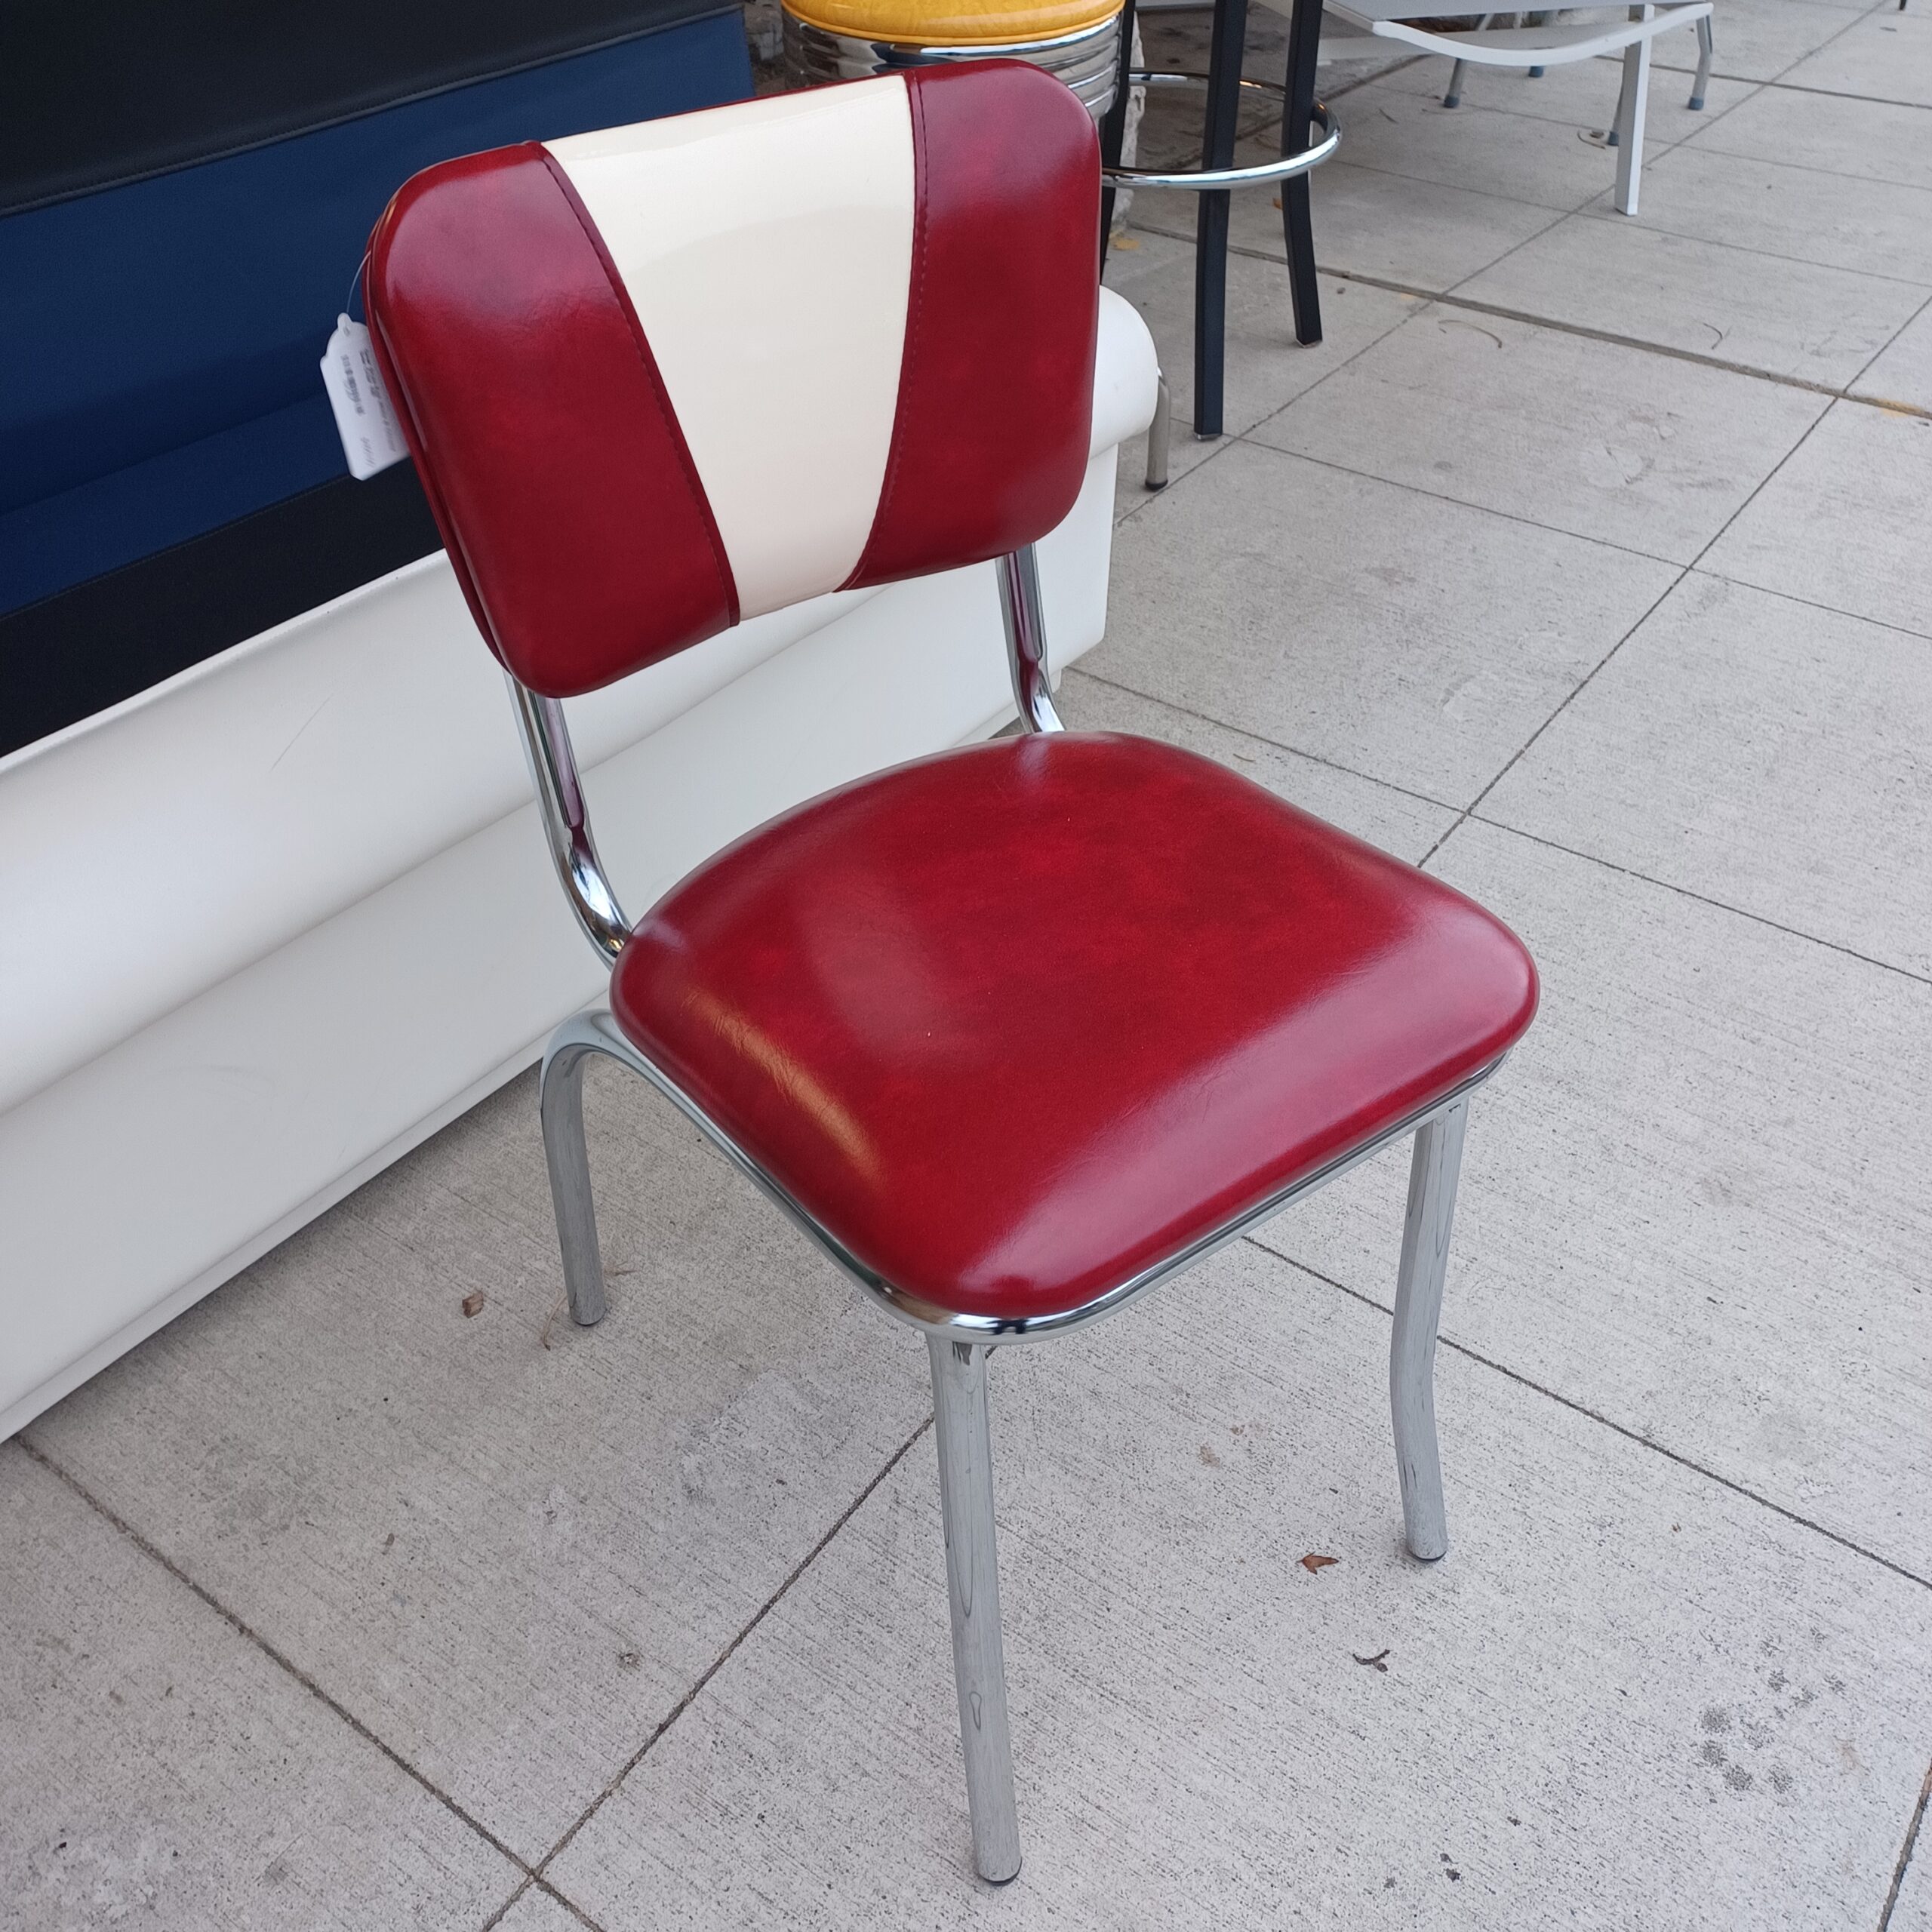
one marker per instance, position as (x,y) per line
(653,377)
(914,311)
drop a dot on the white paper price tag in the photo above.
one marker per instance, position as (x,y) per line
(364,419)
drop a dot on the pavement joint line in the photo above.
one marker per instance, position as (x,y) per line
(1583,329)
(1460,503)
(543,1885)
(1227,440)
(1620,1428)
(1503,825)
(1593,211)
(1906,1852)
(243,1628)
(718,1663)
(1911,407)
(1522,750)
(1260,738)
(1836,93)
(1697,140)
(1505,313)
(1701,898)
(1472,811)
(1812,603)
(1557,208)
(1222,445)
(1765,483)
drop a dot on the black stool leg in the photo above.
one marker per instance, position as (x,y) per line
(1297,229)
(1113,125)
(1210,251)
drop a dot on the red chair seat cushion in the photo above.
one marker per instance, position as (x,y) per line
(1015,1022)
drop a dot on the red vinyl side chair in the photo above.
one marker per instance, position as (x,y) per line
(1014,1032)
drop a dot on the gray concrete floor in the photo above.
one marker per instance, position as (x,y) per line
(1585,562)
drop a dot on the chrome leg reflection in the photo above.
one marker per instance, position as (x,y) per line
(961,1429)
(1432,1176)
(1160,434)
(561,1106)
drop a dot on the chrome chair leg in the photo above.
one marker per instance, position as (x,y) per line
(561,1106)
(1160,434)
(961,1429)
(1432,1175)
(1705,49)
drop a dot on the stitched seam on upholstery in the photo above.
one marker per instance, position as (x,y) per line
(653,377)
(914,313)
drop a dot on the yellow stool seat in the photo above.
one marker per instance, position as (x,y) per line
(952,22)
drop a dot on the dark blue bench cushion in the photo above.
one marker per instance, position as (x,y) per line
(163,334)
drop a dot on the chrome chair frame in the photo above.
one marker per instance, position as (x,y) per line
(959,1344)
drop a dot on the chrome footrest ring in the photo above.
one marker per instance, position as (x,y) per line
(1199,180)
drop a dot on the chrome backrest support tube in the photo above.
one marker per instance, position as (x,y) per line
(560,802)
(560,799)
(1020,606)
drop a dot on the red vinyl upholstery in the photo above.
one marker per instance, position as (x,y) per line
(541,433)
(557,467)
(997,393)
(1015,1022)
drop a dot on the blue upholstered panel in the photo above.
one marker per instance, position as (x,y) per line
(162,337)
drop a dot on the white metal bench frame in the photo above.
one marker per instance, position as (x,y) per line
(1554,44)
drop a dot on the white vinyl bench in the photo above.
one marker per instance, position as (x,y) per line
(1547,39)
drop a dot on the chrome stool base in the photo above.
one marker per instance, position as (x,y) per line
(1088,61)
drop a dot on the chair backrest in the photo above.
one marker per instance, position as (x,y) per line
(664,378)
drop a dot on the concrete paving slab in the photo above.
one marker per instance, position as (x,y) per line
(1869,227)
(509,1546)
(1265,366)
(1694,1200)
(160,1769)
(1886,55)
(1757,40)
(1397,130)
(1762,752)
(1871,140)
(1422,234)
(1901,372)
(1400,635)
(1843,522)
(1785,318)
(1405,826)
(1628,1699)
(1620,444)
(1580,95)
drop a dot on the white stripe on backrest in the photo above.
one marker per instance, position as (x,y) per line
(767,247)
